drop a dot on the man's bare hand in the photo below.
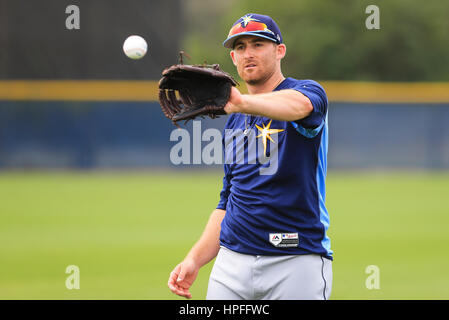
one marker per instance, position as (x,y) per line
(182,278)
(235,101)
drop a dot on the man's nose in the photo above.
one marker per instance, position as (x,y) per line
(248,53)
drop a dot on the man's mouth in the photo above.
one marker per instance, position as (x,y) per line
(250,65)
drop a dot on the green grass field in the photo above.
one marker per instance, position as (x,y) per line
(127,230)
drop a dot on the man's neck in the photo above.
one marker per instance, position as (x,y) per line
(267,86)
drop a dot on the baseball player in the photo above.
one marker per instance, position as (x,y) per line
(268,232)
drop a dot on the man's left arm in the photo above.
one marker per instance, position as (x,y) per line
(284,105)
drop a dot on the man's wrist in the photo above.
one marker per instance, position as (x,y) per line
(193,259)
(243,105)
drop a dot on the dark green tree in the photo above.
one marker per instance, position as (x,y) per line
(328,39)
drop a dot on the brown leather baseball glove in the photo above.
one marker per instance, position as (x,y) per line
(190,91)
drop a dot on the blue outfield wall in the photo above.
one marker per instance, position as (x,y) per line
(136,134)
(389,135)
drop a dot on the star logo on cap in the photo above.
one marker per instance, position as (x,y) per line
(246,20)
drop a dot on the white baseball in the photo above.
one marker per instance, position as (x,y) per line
(135,47)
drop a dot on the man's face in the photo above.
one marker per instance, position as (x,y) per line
(256,58)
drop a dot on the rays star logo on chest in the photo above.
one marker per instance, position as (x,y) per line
(265,133)
(236,146)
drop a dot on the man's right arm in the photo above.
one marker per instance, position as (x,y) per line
(204,250)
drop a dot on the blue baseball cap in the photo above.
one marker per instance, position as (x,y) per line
(253,24)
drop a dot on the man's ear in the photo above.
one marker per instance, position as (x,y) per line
(231,53)
(281,50)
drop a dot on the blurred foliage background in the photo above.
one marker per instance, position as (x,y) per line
(328,39)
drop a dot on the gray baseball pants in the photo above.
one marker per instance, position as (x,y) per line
(237,276)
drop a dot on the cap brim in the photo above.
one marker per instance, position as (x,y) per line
(229,42)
